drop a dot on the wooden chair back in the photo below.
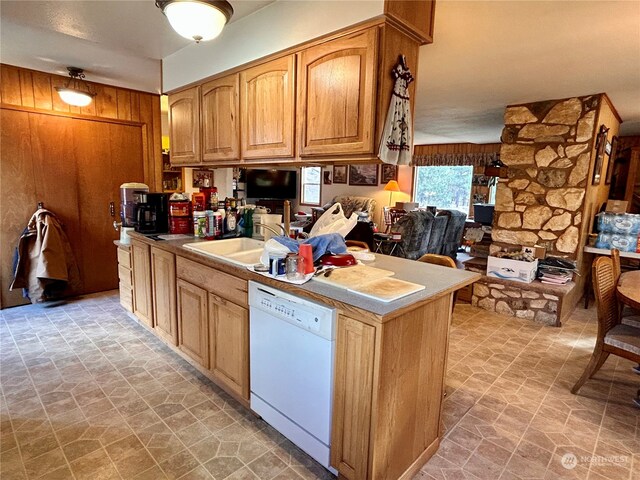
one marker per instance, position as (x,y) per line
(438,260)
(604,288)
(356,243)
(444,261)
(615,258)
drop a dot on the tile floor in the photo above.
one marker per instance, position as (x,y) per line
(88,393)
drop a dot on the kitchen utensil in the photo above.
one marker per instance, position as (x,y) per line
(386,289)
(348,277)
(338,260)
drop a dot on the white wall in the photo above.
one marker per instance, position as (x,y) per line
(278,26)
(222,180)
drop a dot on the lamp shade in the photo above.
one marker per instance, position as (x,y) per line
(392,186)
(76,92)
(198,20)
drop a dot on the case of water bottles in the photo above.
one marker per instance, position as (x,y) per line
(618,230)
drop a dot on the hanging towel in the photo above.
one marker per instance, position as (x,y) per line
(397,136)
(326,243)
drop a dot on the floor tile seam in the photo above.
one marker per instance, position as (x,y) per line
(59,445)
(123,420)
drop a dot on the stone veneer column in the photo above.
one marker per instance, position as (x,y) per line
(547,147)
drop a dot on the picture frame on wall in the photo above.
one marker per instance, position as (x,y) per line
(326,175)
(340,173)
(612,160)
(202,178)
(363,174)
(388,173)
(601,143)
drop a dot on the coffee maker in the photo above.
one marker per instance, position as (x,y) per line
(152,213)
(129,197)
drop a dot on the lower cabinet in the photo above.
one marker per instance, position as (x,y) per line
(352,396)
(212,330)
(141,272)
(229,344)
(163,276)
(125,276)
(193,324)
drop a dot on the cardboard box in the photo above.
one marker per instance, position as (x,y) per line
(537,251)
(508,269)
(616,206)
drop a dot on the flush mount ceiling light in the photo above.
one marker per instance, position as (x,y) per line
(77,91)
(198,20)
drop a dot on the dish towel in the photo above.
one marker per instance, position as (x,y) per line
(321,244)
(397,137)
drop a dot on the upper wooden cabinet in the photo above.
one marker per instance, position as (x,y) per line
(336,96)
(267,102)
(220,128)
(184,126)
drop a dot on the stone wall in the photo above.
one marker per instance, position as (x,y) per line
(548,148)
(519,300)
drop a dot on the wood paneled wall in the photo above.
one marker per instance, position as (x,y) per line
(34,91)
(72,159)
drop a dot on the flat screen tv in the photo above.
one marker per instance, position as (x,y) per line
(267,184)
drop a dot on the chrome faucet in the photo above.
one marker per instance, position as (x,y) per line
(271,229)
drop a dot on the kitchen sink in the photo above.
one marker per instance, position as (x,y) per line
(241,251)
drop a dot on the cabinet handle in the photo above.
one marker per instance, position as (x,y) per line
(112,209)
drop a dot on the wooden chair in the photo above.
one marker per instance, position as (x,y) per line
(443,261)
(613,336)
(356,243)
(438,260)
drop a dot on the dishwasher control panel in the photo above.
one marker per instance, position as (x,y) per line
(314,317)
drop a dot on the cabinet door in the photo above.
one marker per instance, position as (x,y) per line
(229,344)
(184,126)
(336,96)
(220,127)
(352,398)
(141,267)
(193,325)
(268,108)
(163,271)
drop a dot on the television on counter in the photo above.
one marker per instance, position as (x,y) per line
(483,213)
(271,184)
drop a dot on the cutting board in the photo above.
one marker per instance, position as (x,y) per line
(386,289)
(349,277)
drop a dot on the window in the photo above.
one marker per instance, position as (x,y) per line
(444,187)
(310,185)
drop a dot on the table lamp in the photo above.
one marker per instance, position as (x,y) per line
(391,186)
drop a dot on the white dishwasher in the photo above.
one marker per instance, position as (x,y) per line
(292,359)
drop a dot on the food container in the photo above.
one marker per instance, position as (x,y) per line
(199,224)
(179,209)
(179,225)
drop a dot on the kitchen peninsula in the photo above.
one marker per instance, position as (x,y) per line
(390,357)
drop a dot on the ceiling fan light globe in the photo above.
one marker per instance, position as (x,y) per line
(195,20)
(74,97)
